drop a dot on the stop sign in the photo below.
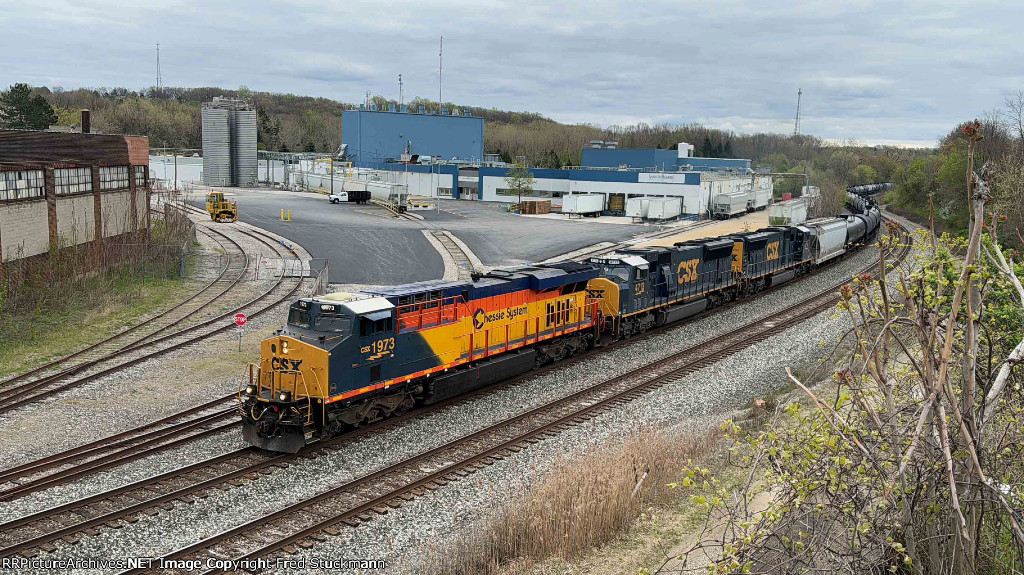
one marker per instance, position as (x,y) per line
(240,319)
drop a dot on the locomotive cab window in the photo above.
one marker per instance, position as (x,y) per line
(618,273)
(332,323)
(375,323)
(641,274)
(298,317)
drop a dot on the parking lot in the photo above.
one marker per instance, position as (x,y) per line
(366,244)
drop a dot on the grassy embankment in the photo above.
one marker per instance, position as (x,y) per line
(28,340)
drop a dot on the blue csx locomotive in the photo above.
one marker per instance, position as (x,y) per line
(349,359)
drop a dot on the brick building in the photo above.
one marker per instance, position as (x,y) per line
(70,189)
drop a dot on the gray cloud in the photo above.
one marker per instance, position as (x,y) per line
(871,71)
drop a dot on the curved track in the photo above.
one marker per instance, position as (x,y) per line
(30,392)
(365,495)
(160,322)
(302,523)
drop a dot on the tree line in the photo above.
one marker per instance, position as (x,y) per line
(171,117)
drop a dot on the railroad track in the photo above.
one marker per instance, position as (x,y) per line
(48,386)
(462,261)
(302,524)
(214,417)
(40,530)
(580,256)
(111,509)
(156,324)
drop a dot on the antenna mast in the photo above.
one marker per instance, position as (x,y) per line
(440,61)
(401,94)
(796,125)
(159,79)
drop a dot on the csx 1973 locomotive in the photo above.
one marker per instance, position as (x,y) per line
(349,359)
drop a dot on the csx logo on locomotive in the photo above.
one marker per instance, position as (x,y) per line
(687,271)
(285,364)
(480,317)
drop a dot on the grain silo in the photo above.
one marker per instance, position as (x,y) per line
(216,147)
(229,143)
(243,147)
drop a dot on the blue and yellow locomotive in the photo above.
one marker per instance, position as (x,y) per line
(350,359)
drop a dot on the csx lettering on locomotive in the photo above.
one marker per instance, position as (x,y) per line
(687,271)
(285,364)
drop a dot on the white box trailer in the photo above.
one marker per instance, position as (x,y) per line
(758,199)
(728,204)
(788,213)
(583,204)
(637,208)
(664,208)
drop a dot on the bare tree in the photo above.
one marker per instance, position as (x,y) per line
(915,465)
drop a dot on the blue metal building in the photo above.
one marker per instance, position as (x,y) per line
(661,160)
(375,137)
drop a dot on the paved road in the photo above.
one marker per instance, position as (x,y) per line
(365,245)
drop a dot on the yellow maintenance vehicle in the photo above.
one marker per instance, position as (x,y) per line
(221,209)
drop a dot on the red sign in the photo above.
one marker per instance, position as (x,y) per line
(787,196)
(240,319)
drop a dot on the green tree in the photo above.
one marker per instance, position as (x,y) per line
(20,110)
(520,181)
(863,174)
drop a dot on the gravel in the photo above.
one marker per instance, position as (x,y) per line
(426,522)
(144,392)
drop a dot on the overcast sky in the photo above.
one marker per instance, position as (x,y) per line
(877,72)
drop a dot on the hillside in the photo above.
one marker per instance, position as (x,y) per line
(288,122)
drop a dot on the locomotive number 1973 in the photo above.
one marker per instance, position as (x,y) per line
(380,346)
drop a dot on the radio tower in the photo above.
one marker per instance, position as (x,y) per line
(440,62)
(159,79)
(796,125)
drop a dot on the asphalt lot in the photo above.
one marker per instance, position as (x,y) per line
(365,245)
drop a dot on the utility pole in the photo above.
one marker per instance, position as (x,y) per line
(440,63)
(796,125)
(159,79)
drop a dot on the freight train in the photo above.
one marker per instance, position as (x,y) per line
(347,360)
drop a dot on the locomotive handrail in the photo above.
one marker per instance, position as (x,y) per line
(299,377)
(441,313)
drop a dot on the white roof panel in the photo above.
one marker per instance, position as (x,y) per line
(368,305)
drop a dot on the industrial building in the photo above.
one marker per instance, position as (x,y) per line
(415,153)
(443,156)
(70,189)
(373,138)
(600,154)
(229,143)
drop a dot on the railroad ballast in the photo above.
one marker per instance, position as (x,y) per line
(349,359)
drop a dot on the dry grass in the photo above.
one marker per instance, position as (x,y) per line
(584,502)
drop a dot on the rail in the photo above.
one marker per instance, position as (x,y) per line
(36,531)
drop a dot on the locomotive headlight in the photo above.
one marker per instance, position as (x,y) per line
(285,396)
(284,347)
(250,390)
